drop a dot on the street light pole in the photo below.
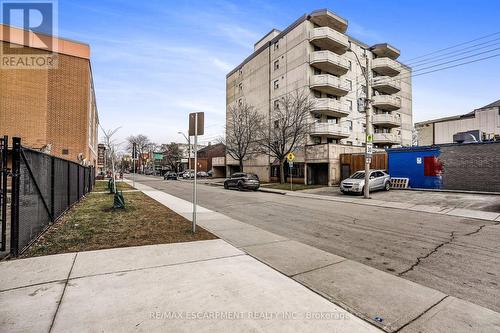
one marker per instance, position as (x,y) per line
(188,139)
(369,124)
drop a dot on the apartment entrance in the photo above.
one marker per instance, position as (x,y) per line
(317,173)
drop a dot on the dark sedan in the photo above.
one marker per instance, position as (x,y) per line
(242,181)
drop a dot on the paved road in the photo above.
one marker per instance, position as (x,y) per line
(458,256)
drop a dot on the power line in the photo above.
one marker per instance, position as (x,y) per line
(451,47)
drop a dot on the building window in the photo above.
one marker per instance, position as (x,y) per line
(317,71)
(349,124)
(349,104)
(240,102)
(349,84)
(350,64)
(317,140)
(65,151)
(331,120)
(317,94)
(277,104)
(276,65)
(276,84)
(349,143)
(364,90)
(276,124)
(277,45)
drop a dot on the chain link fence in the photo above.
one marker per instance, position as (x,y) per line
(43,188)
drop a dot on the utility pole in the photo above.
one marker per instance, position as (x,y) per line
(369,129)
(188,139)
(369,124)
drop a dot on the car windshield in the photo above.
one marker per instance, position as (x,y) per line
(358,175)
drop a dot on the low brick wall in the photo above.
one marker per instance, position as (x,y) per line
(472,167)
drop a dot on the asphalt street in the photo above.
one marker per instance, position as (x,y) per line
(458,256)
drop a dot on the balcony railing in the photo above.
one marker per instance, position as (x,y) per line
(329,39)
(386,66)
(386,84)
(387,138)
(387,102)
(329,62)
(386,119)
(330,84)
(330,130)
(331,107)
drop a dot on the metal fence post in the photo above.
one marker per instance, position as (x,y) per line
(3,188)
(52,189)
(16,173)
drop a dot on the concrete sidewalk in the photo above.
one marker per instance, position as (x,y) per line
(205,286)
(391,303)
(436,209)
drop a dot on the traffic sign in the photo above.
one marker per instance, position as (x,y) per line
(290,157)
(369,149)
(369,138)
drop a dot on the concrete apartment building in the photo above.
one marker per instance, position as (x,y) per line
(54,108)
(482,124)
(316,55)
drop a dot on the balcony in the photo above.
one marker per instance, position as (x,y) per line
(330,130)
(386,84)
(317,153)
(386,102)
(330,84)
(386,66)
(325,18)
(385,50)
(386,138)
(386,120)
(329,39)
(329,62)
(330,107)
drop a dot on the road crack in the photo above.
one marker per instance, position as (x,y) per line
(434,250)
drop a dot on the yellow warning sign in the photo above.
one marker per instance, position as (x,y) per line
(290,156)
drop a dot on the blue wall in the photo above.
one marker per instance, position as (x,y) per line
(409,163)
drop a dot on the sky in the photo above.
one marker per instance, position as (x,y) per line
(156,61)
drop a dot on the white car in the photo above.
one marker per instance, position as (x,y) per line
(379,180)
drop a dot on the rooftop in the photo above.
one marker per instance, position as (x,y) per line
(471,114)
(36,40)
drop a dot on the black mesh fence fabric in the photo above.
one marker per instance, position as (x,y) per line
(48,186)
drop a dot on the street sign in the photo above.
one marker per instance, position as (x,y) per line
(290,157)
(290,164)
(369,149)
(134,151)
(200,128)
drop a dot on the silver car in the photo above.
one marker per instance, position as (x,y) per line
(379,180)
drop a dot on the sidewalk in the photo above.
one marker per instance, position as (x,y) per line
(387,301)
(205,286)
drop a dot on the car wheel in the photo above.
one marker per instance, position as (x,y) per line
(226,186)
(240,187)
(387,186)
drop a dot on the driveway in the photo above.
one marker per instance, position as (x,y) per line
(482,202)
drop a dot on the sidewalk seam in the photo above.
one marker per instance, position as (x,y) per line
(420,315)
(62,294)
(321,267)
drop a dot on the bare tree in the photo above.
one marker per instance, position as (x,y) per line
(111,148)
(243,126)
(172,155)
(288,127)
(142,145)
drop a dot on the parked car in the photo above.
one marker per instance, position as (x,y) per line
(202,174)
(170,175)
(188,174)
(379,180)
(242,181)
(210,173)
(100,175)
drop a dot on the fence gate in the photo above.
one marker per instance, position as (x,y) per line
(3,191)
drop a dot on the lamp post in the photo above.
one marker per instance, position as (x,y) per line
(369,124)
(188,139)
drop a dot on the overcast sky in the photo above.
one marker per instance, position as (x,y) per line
(156,61)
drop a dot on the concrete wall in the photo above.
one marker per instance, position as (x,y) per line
(472,167)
